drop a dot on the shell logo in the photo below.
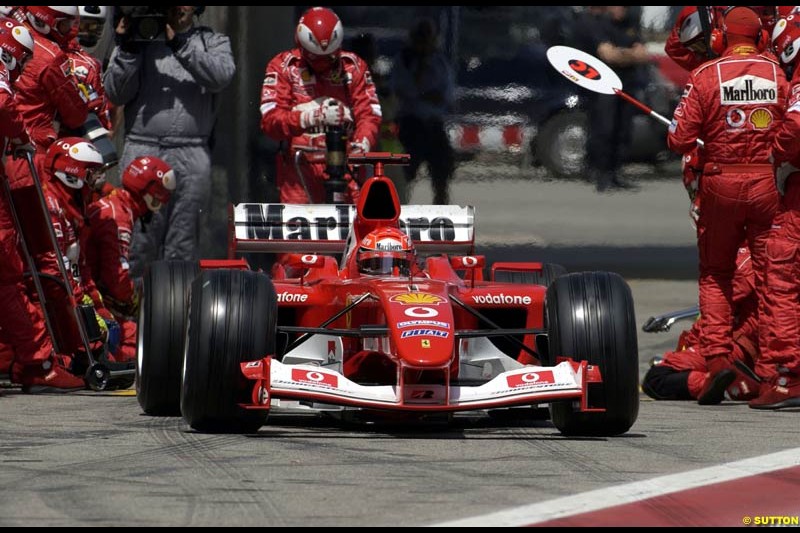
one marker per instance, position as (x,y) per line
(417,298)
(761,118)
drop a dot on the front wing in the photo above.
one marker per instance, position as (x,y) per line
(568,380)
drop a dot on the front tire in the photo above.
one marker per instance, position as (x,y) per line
(590,317)
(160,336)
(232,319)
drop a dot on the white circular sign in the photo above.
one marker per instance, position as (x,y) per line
(584,69)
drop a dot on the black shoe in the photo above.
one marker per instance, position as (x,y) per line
(621,184)
(714,391)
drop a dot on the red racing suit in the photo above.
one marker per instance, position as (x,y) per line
(733,104)
(780,327)
(21,322)
(745,333)
(47,96)
(111,219)
(67,220)
(89,72)
(289,88)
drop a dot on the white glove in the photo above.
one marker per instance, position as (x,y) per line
(359,147)
(331,112)
(783,171)
(335,113)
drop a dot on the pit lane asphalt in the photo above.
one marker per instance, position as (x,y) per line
(92,459)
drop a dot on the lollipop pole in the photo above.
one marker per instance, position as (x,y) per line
(647,110)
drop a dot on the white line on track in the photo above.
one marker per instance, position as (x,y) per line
(603,498)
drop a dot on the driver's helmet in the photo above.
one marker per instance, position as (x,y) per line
(319,35)
(386,252)
(786,41)
(74,162)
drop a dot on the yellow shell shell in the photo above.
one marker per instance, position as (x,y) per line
(760,118)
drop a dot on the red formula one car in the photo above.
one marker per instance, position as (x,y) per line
(223,344)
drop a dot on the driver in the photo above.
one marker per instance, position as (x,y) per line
(308,88)
(386,252)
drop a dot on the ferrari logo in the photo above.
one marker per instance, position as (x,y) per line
(417,298)
(426,343)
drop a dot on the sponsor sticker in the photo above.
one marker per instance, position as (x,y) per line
(291,297)
(421,312)
(761,118)
(687,90)
(417,298)
(531,379)
(66,67)
(757,86)
(271,79)
(424,333)
(735,118)
(314,377)
(426,343)
(410,323)
(306,77)
(501,299)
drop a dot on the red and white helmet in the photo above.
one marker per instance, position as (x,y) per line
(691,33)
(57,22)
(786,41)
(91,24)
(150,181)
(386,252)
(319,35)
(16,46)
(74,161)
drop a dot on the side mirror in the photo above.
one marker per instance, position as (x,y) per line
(467,262)
(303,261)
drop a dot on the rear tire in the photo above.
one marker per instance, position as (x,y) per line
(232,319)
(590,317)
(549,273)
(161,333)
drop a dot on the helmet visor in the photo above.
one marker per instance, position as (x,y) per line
(384,264)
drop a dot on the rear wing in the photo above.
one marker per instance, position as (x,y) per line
(323,228)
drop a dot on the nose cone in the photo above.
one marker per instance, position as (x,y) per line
(421,325)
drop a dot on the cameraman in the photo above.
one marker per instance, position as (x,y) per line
(168,83)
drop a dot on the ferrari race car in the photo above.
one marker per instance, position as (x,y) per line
(223,345)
